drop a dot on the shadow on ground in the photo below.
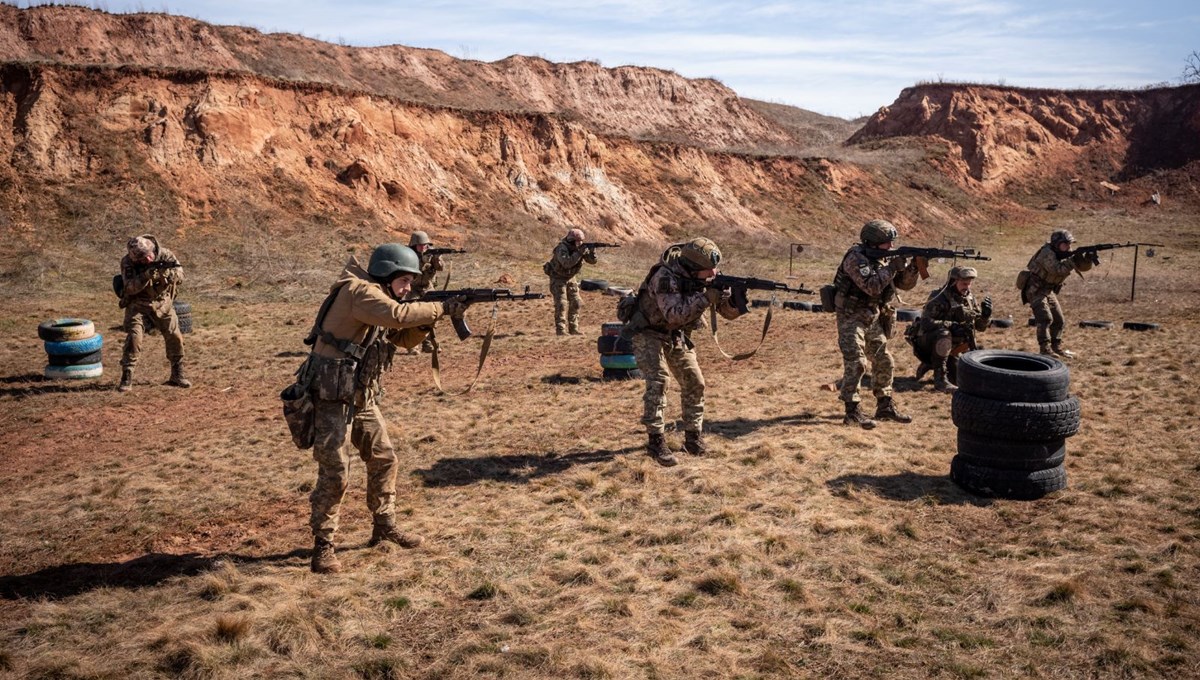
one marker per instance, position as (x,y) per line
(68,580)
(516,468)
(908,486)
(560,379)
(30,384)
(737,427)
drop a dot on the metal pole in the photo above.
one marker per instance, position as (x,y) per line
(1133,284)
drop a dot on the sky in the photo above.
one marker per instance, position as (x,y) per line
(844,58)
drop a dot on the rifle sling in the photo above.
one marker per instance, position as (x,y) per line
(744,355)
(344,346)
(436,365)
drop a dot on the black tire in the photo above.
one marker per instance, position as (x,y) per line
(1009,375)
(1105,325)
(908,314)
(185,323)
(63,330)
(1016,484)
(760,303)
(1140,326)
(1000,323)
(790,304)
(1016,420)
(611,328)
(613,344)
(593,284)
(622,374)
(182,308)
(816,307)
(75,359)
(1007,454)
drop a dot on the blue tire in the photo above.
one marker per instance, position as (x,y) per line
(85,346)
(625,361)
(79,372)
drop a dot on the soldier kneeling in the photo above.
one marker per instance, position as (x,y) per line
(948,325)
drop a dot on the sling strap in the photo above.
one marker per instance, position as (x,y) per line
(436,364)
(744,355)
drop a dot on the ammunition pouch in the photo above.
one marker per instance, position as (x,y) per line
(299,411)
(887,321)
(828,298)
(334,379)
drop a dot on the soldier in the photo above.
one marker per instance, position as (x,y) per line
(865,319)
(563,270)
(151,276)
(670,303)
(430,265)
(1044,276)
(948,325)
(354,339)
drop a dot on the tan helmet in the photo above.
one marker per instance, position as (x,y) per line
(962,272)
(697,254)
(418,238)
(877,232)
(574,235)
(140,246)
(1060,236)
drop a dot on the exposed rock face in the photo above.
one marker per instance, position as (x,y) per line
(1002,135)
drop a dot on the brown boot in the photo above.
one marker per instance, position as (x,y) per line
(855,416)
(922,369)
(886,410)
(940,382)
(693,443)
(658,450)
(575,330)
(126,383)
(389,533)
(1044,348)
(324,559)
(1057,348)
(177,378)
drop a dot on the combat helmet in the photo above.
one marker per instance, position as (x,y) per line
(695,255)
(418,238)
(1061,236)
(877,232)
(389,260)
(962,272)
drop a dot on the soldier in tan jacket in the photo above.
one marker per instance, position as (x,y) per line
(357,331)
(1047,270)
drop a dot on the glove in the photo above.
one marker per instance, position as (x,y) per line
(715,295)
(986,307)
(898,264)
(1094,257)
(455,307)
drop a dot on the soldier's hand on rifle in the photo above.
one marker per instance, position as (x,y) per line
(455,307)
(715,295)
(898,264)
(986,307)
(1094,257)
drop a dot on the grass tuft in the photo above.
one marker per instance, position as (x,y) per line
(486,591)
(230,629)
(719,584)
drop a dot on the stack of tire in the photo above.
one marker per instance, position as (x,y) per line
(616,354)
(73,349)
(1014,413)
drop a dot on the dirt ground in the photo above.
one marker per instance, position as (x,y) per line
(164,532)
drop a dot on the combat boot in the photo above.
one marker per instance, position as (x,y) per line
(1044,348)
(855,416)
(560,331)
(941,383)
(886,410)
(922,369)
(324,559)
(575,330)
(126,383)
(177,378)
(389,533)
(1057,348)
(693,443)
(657,449)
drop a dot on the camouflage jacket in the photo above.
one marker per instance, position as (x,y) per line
(672,303)
(150,289)
(863,282)
(430,266)
(1047,272)
(567,260)
(946,309)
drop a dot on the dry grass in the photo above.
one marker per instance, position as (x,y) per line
(163,533)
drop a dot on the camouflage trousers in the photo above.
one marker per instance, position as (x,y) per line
(137,317)
(655,358)
(1049,316)
(566,303)
(368,434)
(861,338)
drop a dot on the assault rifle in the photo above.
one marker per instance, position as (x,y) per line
(738,285)
(438,252)
(923,255)
(474,295)
(1090,252)
(596,244)
(157,264)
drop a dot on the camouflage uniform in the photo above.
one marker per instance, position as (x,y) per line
(670,307)
(363,319)
(1047,273)
(430,266)
(866,319)
(947,327)
(563,270)
(148,297)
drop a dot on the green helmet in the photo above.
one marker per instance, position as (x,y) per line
(1060,236)
(877,232)
(392,259)
(695,255)
(418,238)
(962,272)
